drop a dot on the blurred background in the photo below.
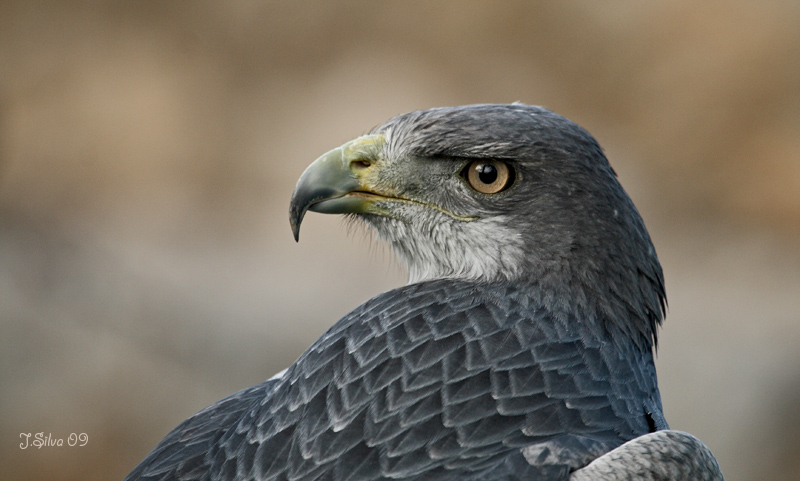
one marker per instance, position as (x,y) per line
(148,151)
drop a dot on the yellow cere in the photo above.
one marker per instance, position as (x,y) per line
(367,147)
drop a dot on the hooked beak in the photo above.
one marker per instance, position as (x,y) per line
(335,183)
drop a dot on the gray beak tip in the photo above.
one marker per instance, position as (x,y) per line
(296,214)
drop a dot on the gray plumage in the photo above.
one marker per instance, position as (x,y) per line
(521,349)
(660,456)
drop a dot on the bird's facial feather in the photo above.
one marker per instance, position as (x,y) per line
(436,223)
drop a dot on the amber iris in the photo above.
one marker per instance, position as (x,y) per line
(489,176)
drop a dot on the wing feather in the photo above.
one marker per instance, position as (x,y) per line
(441,380)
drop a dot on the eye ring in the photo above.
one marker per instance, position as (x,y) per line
(488,176)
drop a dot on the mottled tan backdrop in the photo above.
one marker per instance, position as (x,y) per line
(148,150)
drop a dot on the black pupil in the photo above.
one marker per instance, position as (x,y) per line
(487,173)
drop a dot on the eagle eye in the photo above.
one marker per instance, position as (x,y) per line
(488,176)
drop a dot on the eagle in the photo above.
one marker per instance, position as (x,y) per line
(522,347)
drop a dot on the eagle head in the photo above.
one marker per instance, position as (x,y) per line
(497,193)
